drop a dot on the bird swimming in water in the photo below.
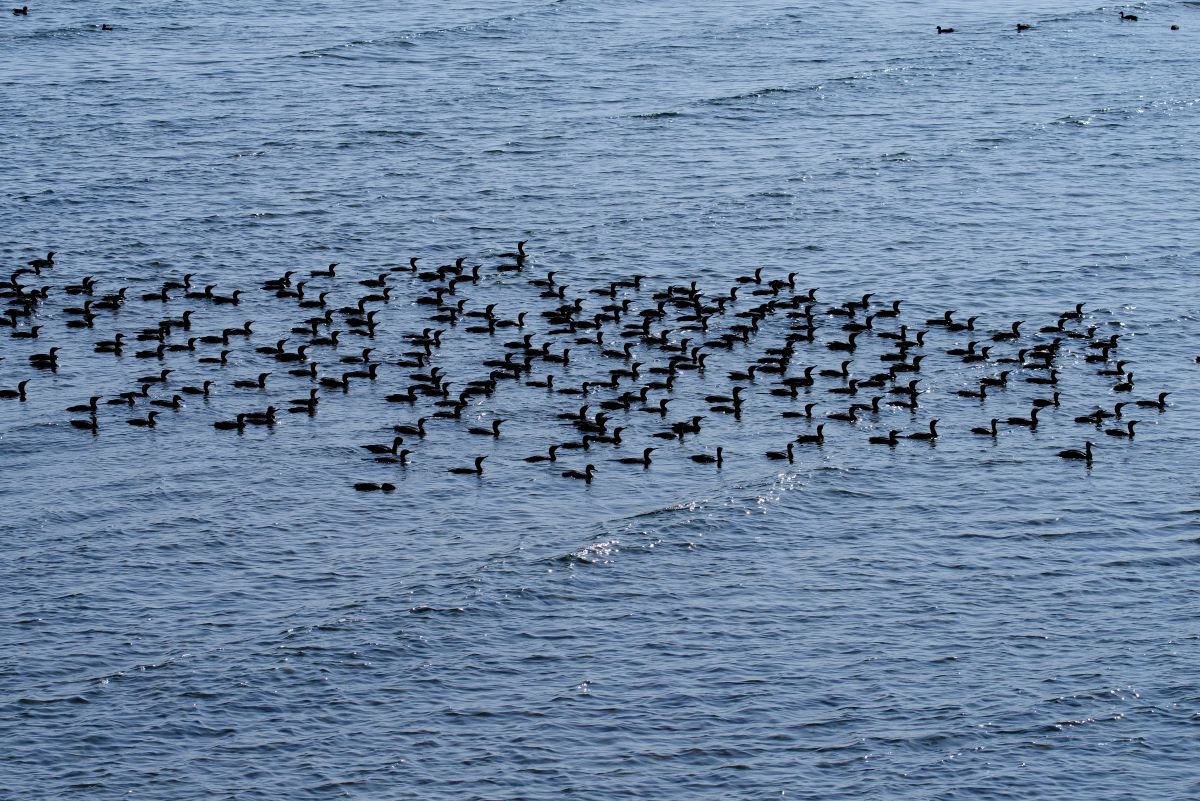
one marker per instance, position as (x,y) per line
(812,439)
(549,456)
(1160,404)
(1126,432)
(90,424)
(585,476)
(493,431)
(401,457)
(643,460)
(929,435)
(1084,455)
(15,394)
(477,470)
(90,406)
(231,425)
(987,431)
(1030,422)
(392,449)
(200,390)
(789,454)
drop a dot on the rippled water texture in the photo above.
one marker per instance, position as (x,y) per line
(193,614)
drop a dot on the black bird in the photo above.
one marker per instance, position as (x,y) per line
(368,486)
(90,406)
(311,400)
(549,456)
(17,394)
(987,432)
(90,424)
(494,431)
(940,29)
(260,383)
(46,361)
(23,11)
(222,359)
(1083,456)
(1043,403)
(1037,379)
(1030,422)
(144,422)
(392,449)
(113,345)
(807,413)
(477,470)
(1160,404)
(1006,336)
(789,454)
(288,356)
(849,416)
(161,378)
(643,460)
(586,475)
(231,425)
(130,398)
(929,435)
(200,390)
(520,254)
(842,373)
(342,383)
(707,458)
(266,418)
(848,345)
(400,458)
(1122,432)
(892,439)
(980,393)
(175,403)
(417,430)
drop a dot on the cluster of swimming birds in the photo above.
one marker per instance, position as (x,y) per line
(23,11)
(644,339)
(1024,26)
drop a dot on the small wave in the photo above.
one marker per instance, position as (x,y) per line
(438,610)
(752,95)
(385,132)
(597,552)
(62,33)
(335,51)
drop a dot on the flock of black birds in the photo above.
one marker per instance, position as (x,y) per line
(23,11)
(1024,26)
(639,342)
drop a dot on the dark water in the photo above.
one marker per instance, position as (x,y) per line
(197,614)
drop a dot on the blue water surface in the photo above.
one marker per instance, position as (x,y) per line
(193,614)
